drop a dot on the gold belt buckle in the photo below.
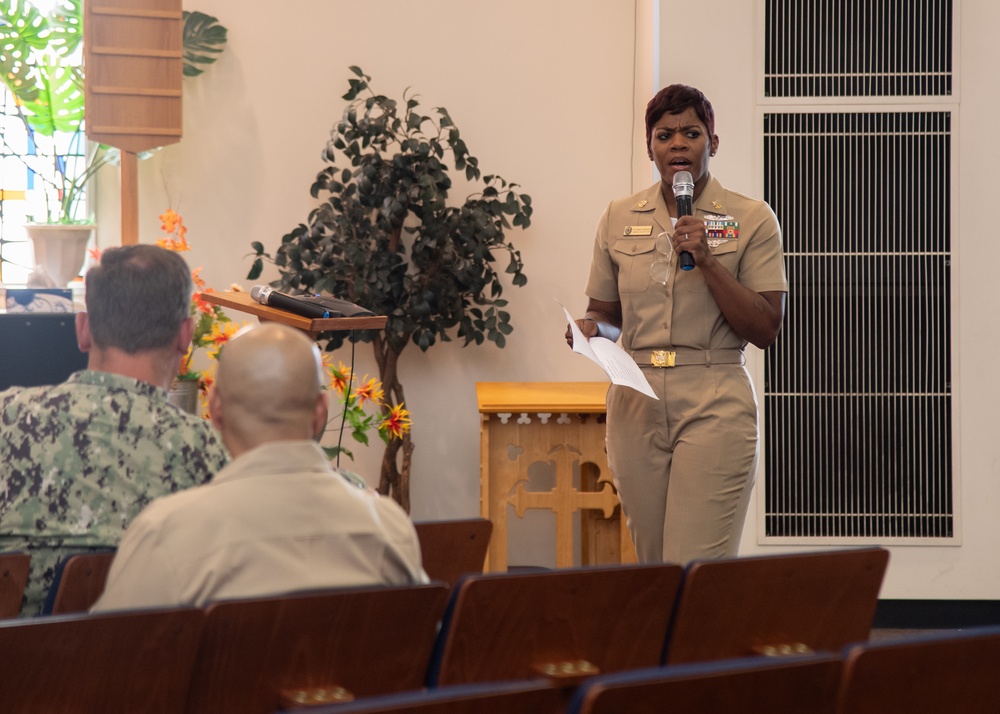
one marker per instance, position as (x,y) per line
(662,358)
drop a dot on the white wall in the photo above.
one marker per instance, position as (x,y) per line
(543,93)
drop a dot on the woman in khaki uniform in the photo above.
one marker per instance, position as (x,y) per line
(684,465)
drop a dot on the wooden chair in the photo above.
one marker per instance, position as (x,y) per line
(792,685)
(778,604)
(111,663)
(281,652)
(563,624)
(537,697)
(451,549)
(14,568)
(79,582)
(924,674)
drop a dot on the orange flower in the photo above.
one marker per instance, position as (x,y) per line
(202,305)
(340,376)
(186,362)
(370,389)
(397,422)
(199,283)
(173,225)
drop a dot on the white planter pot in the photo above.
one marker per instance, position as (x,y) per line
(59,250)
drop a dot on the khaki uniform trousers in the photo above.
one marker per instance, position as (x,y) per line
(684,465)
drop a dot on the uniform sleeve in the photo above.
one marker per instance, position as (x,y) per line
(762,268)
(141,575)
(603,282)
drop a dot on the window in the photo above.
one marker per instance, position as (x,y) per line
(24,189)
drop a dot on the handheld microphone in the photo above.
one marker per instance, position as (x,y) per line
(684,195)
(268,296)
(311,306)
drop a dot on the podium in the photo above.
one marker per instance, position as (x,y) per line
(242,302)
(557,427)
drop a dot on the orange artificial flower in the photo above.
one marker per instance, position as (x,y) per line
(370,389)
(173,225)
(340,376)
(397,422)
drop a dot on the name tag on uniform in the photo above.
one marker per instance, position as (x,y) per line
(638,230)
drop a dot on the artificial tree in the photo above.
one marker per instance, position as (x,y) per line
(386,238)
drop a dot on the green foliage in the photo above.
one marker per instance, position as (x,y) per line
(33,48)
(385,236)
(204,37)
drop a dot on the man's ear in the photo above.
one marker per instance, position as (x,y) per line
(321,415)
(184,335)
(83,339)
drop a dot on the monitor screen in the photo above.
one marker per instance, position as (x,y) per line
(38,349)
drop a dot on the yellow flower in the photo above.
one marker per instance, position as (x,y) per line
(221,334)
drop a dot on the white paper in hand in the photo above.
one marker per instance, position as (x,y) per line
(615,361)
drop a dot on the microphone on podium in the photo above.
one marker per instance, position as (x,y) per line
(683,196)
(311,306)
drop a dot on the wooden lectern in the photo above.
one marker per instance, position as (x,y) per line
(242,302)
(559,425)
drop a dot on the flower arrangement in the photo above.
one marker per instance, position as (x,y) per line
(363,408)
(212,328)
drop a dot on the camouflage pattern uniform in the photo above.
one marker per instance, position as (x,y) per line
(79,460)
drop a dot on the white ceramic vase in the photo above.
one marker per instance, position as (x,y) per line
(59,251)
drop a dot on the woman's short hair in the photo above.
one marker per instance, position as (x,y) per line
(674,100)
(137,297)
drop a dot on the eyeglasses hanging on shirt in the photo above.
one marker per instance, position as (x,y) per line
(661,267)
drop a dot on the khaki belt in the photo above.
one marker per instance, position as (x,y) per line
(687,357)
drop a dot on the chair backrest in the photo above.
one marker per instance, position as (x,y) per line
(111,663)
(14,569)
(537,697)
(561,624)
(265,654)
(79,582)
(790,603)
(792,685)
(451,549)
(952,672)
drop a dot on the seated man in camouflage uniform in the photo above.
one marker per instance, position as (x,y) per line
(79,460)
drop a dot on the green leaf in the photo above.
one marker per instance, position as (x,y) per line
(203,38)
(256,269)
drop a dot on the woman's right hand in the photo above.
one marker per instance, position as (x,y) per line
(586,325)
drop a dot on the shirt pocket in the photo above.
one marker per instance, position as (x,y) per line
(726,253)
(634,256)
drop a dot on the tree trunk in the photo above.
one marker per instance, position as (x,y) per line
(394,480)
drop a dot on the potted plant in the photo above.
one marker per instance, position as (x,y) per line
(41,66)
(386,238)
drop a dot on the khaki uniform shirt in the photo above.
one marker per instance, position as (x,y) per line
(682,314)
(277,520)
(81,459)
